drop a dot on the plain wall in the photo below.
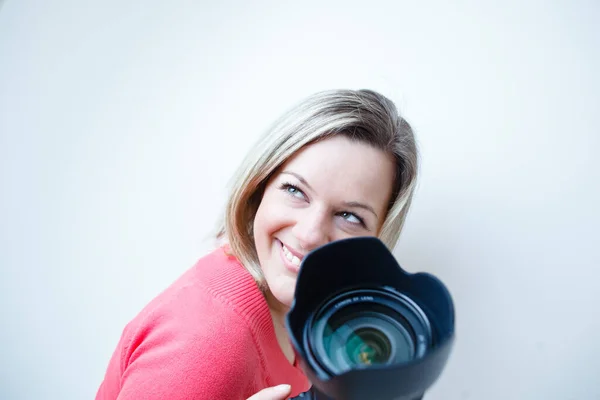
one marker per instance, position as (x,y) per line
(122,121)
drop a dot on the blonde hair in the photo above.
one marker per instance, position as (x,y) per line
(362,115)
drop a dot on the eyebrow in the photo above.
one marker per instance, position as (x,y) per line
(355,204)
(351,204)
(299,177)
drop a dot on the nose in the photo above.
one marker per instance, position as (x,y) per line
(312,230)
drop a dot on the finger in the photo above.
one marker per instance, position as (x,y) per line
(280,392)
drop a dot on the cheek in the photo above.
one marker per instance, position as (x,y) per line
(271,217)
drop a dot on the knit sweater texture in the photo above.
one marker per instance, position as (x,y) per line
(209,335)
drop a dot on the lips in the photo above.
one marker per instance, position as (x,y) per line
(291,257)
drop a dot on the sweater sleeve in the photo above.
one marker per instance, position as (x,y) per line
(192,347)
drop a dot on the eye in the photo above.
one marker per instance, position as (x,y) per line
(292,190)
(352,218)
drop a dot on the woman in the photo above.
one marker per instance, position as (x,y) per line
(340,164)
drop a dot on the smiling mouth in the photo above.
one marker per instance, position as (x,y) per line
(290,257)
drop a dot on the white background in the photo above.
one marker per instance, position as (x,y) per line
(121,122)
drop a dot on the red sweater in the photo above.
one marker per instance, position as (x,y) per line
(208,336)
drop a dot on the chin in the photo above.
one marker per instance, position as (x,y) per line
(283,292)
(279,277)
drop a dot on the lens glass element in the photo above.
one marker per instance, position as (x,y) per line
(368,346)
(361,335)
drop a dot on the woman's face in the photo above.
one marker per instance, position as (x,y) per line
(330,190)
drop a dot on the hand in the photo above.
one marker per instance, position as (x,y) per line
(280,392)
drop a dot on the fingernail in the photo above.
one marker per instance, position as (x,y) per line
(282,389)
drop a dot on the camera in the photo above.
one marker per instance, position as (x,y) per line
(364,328)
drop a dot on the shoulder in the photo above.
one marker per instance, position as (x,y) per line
(199,308)
(212,288)
(192,338)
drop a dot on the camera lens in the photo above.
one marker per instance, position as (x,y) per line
(357,336)
(364,331)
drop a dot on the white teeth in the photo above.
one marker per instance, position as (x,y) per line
(292,258)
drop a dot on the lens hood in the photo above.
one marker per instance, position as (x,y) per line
(360,266)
